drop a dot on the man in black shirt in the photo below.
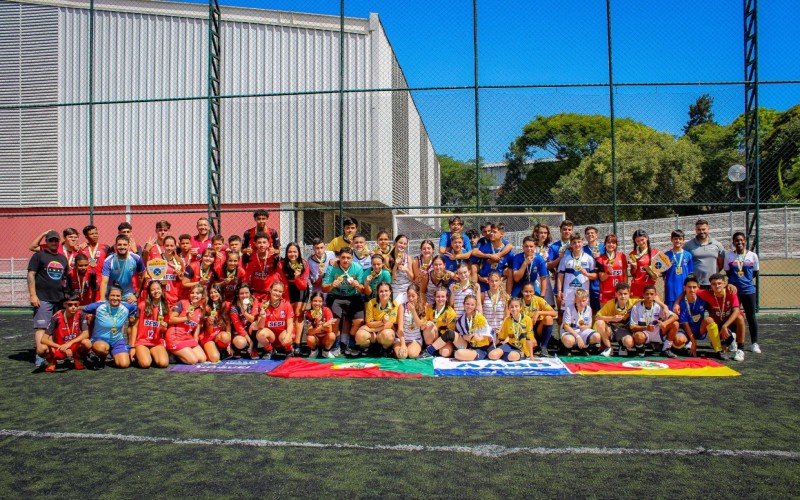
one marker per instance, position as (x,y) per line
(47,273)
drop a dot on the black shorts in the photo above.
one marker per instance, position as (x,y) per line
(296,295)
(619,330)
(346,307)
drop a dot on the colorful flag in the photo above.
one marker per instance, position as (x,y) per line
(354,368)
(229,366)
(683,367)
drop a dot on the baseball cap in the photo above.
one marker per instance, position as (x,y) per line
(51,235)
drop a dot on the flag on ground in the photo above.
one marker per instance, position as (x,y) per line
(354,368)
(489,368)
(683,367)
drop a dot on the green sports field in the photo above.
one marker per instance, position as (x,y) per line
(143,433)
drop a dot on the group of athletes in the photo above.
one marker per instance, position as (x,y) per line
(471,296)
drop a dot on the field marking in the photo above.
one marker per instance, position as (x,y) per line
(15,336)
(490,451)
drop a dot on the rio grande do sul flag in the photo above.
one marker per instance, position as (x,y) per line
(685,367)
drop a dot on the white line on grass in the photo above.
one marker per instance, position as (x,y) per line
(492,451)
(14,336)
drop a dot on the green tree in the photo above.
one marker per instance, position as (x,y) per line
(652,168)
(457,182)
(719,147)
(780,158)
(700,112)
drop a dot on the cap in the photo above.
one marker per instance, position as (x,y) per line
(51,235)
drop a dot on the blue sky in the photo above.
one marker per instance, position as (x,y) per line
(564,41)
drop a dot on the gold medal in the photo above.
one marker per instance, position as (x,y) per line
(113,329)
(740,273)
(213,314)
(160,318)
(679,270)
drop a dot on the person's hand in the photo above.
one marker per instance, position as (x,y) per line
(387,323)
(63,347)
(297,273)
(650,328)
(247,251)
(352,281)
(693,350)
(676,308)
(402,351)
(131,299)
(193,252)
(618,318)
(35,301)
(724,333)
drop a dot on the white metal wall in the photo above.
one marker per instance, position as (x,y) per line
(275,148)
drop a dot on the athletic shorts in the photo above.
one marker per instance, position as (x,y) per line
(148,343)
(508,349)
(57,354)
(481,352)
(211,337)
(697,335)
(178,339)
(654,336)
(43,314)
(619,331)
(117,346)
(296,295)
(350,307)
(583,334)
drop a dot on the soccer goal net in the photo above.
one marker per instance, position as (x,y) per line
(420,227)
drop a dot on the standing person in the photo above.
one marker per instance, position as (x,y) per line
(185,251)
(82,279)
(260,216)
(422,263)
(231,275)
(594,248)
(361,253)
(457,255)
(96,251)
(554,254)
(543,240)
(383,247)
(350,228)
(293,273)
(402,272)
(575,269)
(201,273)
(172,281)
(112,318)
(202,239)
(463,288)
(261,270)
(639,260)
(741,266)
(707,253)
(438,277)
(47,273)
(147,337)
(122,269)
(377,274)
(496,255)
(612,269)
(343,284)
(154,247)
(682,267)
(220,250)
(125,229)
(528,267)
(67,337)
(69,247)
(318,262)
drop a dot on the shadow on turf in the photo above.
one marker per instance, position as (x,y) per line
(24,355)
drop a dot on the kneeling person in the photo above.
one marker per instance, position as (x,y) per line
(696,323)
(515,338)
(652,322)
(576,327)
(67,337)
(111,320)
(475,339)
(542,316)
(613,319)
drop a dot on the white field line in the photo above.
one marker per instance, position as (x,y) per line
(15,336)
(491,451)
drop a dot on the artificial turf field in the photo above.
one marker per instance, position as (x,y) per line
(488,417)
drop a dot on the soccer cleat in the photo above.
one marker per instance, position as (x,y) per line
(607,352)
(253,353)
(583,352)
(78,364)
(733,347)
(755,348)
(38,361)
(50,368)
(313,354)
(267,355)
(738,356)
(669,354)
(352,352)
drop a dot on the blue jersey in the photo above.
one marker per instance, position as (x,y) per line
(597,251)
(740,270)
(122,273)
(682,266)
(451,264)
(487,266)
(533,272)
(109,322)
(693,313)
(444,241)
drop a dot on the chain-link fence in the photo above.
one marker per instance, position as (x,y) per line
(617,114)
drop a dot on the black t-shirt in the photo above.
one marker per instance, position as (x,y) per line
(51,274)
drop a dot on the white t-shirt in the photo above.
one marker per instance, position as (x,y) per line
(573,317)
(573,278)
(642,316)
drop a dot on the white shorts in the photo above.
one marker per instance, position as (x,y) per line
(654,336)
(583,334)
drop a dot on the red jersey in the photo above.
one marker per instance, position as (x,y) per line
(156,252)
(150,332)
(87,285)
(617,270)
(171,284)
(63,331)
(276,318)
(195,317)
(230,281)
(314,320)
(239,322)
(215,319)
(719,308)
(97,255)
(200,245)
(260,273)
(195,273)
(640,277)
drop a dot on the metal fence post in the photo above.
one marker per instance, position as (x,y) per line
(13,288)
(786,232)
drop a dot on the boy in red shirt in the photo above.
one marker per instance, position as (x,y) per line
(262,268)
(67,336)
(82,279)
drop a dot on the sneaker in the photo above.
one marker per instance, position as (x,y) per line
(352,351)
(92,361)
(50,368)
(39,361)
(254,353)
(78,364)
(336,352)
(424,354)
(328,355)
(733,347)
(267,355)
(754,347)
(607,352)
(739,355)
(623,351)
(583,352)
(640,351)
(669,354)
(544,353)
(296,351)
(688,346)
(313,354)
